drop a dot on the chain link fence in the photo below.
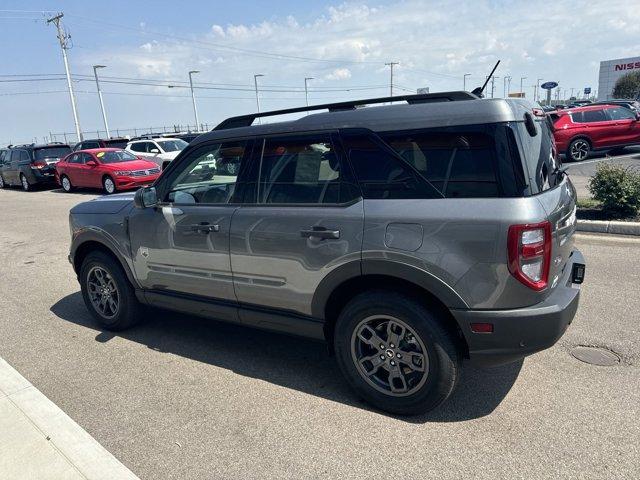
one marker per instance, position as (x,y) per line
(71,137)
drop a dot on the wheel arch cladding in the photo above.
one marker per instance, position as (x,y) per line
(92,245)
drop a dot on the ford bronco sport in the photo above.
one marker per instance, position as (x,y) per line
(408,236)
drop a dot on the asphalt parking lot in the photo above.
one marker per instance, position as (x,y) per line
(180,397)
(580,172)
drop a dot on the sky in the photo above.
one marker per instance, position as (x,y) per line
(148,46)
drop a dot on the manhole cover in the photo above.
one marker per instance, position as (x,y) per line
(595,356)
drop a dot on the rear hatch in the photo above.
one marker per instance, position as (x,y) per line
(45,158)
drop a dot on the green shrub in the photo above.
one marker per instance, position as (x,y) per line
(617,188)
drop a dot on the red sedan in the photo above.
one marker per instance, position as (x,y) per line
(579,131)
(111,169)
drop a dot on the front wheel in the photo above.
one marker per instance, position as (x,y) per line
(107,293)
(578,150)
(108,185)
(396,353)
(26,186)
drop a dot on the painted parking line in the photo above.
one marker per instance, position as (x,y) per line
(603,159)
(39,441)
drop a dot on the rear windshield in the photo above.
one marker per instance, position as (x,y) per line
(51,152)
(116,143)
(115,156)
(172,145)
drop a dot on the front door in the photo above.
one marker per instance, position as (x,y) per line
(182,245)
(304,221)
(626,128)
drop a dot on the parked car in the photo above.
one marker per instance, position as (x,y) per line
(4,157)
(31,165)
(631,104)
(407,236)
(158,150)
(580,103)
(111,169)
(579,131)
(101,143)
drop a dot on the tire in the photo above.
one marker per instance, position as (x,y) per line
(2,184)
(109,185)
(26,186)
(579,149)
(127,310)
(423,330)
(65,182)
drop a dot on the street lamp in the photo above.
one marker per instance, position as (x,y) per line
(536,95)
(306,91)
(464,81)
(104,114)
(193,99)
(507,79)
(255,82)
(521,80)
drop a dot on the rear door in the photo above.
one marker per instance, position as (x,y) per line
(626,128)
(599,127)
(70,169)
(301,220)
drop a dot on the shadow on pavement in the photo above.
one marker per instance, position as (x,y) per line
(291,362)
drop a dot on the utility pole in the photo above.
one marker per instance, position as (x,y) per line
(507,79)
(193,99)
(493,79)
(464,81)
(104,114)
(255,82)
(391,64)
(63,38)
(306,91)
(521,80)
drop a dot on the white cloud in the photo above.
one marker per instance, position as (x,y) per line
(339,74)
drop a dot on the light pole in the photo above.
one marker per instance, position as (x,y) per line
(104,113)
(306,91)
(507,79)
(521,80)
(537,94)
(391,65)
(464,81)
(193,99)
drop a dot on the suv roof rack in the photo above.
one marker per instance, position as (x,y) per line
(247,120)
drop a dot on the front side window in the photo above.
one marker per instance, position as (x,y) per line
(591,116)
(300,170)
(620,113)
(209,175)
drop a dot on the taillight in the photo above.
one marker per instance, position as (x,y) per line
(529,248)
(39,165)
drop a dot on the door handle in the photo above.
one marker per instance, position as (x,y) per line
(321,233)
(205,228)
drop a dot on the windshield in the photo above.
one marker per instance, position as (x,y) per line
(172,145)
(115,156)
(116,143)
(51,152)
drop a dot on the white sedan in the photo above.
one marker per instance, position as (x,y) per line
(158,150)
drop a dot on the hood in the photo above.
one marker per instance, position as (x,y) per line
(130,165)
(105,204)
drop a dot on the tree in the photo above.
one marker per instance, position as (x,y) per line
(627,86)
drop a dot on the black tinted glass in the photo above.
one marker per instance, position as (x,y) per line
(590,116)
(51,152)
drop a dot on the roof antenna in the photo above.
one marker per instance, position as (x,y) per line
(478,91)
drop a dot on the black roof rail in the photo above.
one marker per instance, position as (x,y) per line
(247,120)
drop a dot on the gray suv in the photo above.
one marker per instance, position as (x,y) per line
(408,236)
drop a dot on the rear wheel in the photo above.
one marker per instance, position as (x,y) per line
(109,185)
(26,186)
(579,149)
(107,292)
(396,353)
(66,183)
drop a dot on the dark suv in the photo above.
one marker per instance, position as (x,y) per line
(101,143)
(31,165)
(408,236)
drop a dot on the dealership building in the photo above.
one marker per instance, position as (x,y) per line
(611,71)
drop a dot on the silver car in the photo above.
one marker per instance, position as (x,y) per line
(407,236)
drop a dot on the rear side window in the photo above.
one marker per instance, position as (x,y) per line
(540,158)
(576,117)
(459,165)
(301,170)
(590,116)
(138,147)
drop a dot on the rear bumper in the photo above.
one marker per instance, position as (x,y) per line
(42,177)
(523,331)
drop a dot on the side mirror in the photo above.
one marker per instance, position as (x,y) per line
(154,150)
(145,197)
(91,163)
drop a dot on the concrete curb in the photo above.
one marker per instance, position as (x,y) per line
(609,226)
